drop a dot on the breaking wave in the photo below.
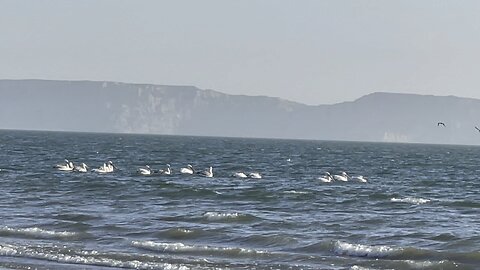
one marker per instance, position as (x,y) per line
(86,258)
(183,248)
(414,257)
(410,200)
(35,232)
(358,250)
(223,216)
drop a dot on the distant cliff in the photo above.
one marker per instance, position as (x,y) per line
(187,110)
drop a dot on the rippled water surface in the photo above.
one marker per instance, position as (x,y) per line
(420,208)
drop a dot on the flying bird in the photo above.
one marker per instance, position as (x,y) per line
(478,129)
(441,124)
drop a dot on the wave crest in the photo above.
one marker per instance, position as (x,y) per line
(411,200)
(36,232)
(180,247)
(358,250)
(296,192)
(83,257)
(414,257)
(223,216)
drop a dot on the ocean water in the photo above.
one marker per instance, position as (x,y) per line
(420,208)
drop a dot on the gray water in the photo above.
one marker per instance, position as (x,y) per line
(419,209)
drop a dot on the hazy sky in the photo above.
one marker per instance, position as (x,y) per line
(315,52)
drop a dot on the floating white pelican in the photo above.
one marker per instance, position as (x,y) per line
(360,179)
(67,166)
(111,166)
(327,178)
(105,168)
(209,172)
(167,171)
(145,170)
(240,175)
(82,168)
(255,175)
(342,177)
(188,170)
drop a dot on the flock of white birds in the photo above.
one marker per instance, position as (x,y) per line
(109,167)
(342,177)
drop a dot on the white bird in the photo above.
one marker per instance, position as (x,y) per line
(342,177)
(255,175)
(145,170)
(360,179)
(111,166)
(67,166)
(105,168)
(327,178)
(82,168)
(209,172)
(167,171)
(240,175)
(188,170)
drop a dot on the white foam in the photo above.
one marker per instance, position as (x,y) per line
(185,231)
(221,216)
(358,250)
(296,192)
(356,267)
(165,246)
(180,247)
(37,232)
(84,257)
(411,200)
(424,264)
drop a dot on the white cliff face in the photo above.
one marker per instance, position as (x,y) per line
(186,110)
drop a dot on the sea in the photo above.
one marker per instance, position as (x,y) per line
(419,209)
